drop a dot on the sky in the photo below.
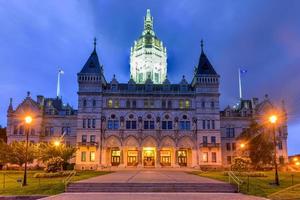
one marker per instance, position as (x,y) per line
(263,36)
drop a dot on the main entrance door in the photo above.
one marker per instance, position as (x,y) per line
(115,157)
(149,157)
(165,158)
(182,157)
(132,158)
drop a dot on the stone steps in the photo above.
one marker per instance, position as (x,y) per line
(151,187)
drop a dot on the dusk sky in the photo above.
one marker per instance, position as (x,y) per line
(263,36)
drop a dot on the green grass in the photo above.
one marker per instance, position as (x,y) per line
(260,186)
(38,186)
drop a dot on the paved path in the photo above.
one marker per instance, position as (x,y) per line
(153,196)
(149,176)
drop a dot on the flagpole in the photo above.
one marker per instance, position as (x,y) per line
(58,83)
(240,84)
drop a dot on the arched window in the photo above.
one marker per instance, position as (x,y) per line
(149,122)
(167,123)
(131,122)
(184,123)
(113,122)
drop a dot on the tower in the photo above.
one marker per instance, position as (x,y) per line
(148,56)
(206,85)
(91,81)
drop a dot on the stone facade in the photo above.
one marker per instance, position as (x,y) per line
(145,124)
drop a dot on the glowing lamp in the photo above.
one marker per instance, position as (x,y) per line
(242,145)
(28,119)
(298,163)
(295,159)
(56,143)
(273,119)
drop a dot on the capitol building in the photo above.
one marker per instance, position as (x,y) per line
(147,121)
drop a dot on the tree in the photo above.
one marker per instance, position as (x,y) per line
(16,152)
(3,134)
(3,153)
(259,144)
(48,151)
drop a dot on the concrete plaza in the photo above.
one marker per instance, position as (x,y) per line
(152,176)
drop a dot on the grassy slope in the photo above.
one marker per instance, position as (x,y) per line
(260,186)
(42,186)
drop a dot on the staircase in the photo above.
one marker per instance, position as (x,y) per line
(151,187)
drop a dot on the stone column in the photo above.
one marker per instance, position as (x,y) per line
(140,162)
(121,157)
(158,158)
(175,157)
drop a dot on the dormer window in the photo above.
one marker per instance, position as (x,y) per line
(114,88)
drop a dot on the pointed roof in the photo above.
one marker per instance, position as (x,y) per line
(204,66)
(92,65)
(183,81)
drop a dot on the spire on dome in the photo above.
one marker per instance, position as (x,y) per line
(148,23)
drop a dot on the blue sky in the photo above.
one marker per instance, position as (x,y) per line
(38,37)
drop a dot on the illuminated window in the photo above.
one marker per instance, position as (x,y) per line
(83,156)
(117,104)
(156,77)
(187,104)
(140,77)
(205,156)
(92,156)
(181,104)
(110,103)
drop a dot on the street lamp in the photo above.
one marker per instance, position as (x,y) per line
(242,145)
(273,119)
(28,121)
(56,143)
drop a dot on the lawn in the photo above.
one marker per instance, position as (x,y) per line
(260,186)
(38,186)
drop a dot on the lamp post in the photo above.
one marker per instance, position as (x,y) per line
(273,120)
(28,120)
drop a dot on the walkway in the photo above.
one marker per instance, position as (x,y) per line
(144,184)
(149,176)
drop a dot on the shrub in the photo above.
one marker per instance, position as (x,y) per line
(52,175)
(240,164)
(54,164)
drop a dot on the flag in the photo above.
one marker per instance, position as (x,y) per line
(243,71)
